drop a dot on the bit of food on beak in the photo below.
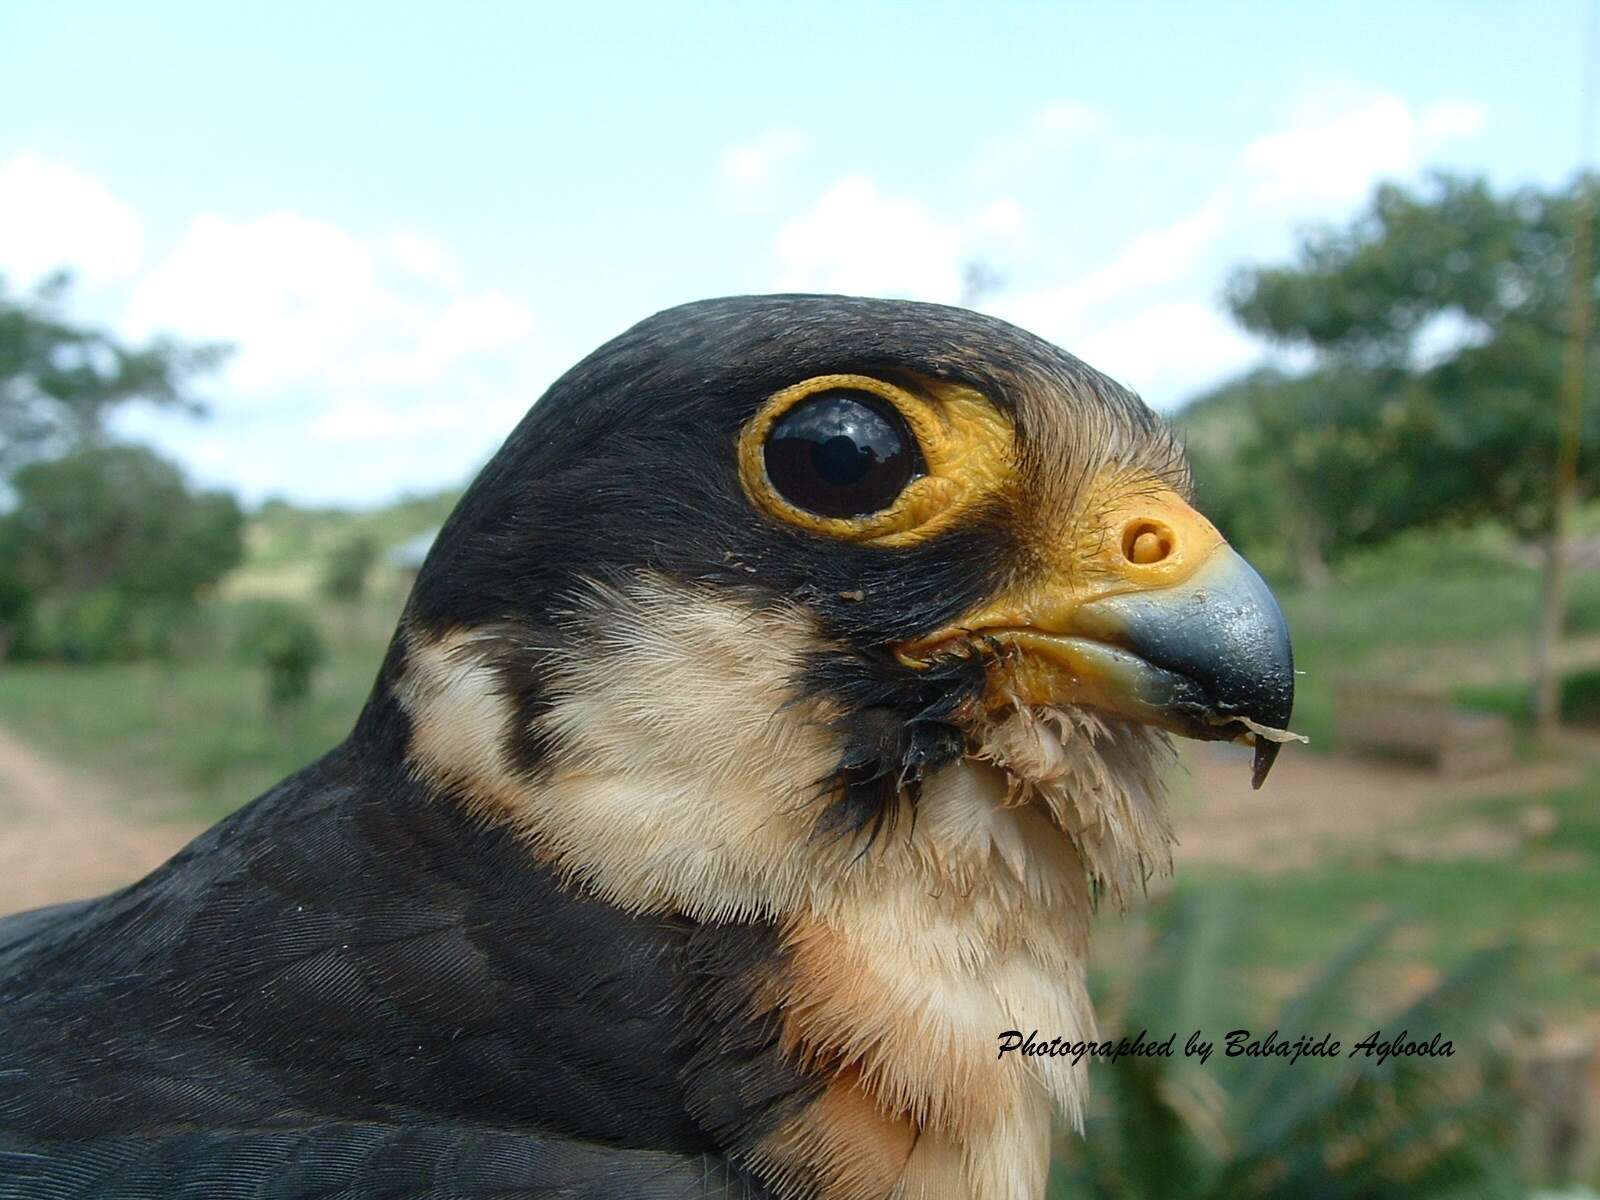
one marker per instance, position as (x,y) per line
(1267,743)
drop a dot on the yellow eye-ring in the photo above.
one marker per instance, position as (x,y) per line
(860,458)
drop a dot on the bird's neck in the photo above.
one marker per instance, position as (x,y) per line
(975,923)
(680,784)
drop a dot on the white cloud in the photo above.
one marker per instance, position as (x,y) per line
(368,421)
(1153,259)
(1449,120)
(1047,133)
(469,325)
(52,216)
(292,292)
(311,305)
(1344,139)
(749,171)
(856,239)
(421,255)
(1004,218)
(859,239)
(1149,315)
(1068,117)
(1168,350)
(363,366)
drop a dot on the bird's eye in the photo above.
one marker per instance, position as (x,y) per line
(841,453)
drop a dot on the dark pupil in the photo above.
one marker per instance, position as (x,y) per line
(840,454)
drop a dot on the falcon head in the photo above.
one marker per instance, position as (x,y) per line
(865,621)
(968,522)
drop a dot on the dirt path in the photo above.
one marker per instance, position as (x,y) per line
(60,836)
(1312,800)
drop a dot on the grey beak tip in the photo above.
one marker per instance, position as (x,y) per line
(1223,638)
(1266,755)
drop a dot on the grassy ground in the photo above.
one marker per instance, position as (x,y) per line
(1421,630)
(1429,630)
(195,733)
(1542,892)
(198,732)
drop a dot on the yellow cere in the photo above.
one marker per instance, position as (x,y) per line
(969,447)
(1136,534)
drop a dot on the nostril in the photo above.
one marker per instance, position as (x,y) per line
(1145,542)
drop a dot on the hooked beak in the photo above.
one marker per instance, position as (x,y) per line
(1160,622)
(1206,658)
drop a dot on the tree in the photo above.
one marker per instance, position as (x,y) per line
(1301,469)
(59,380)
(345,571)
(282,640)
(98,540)
(1437,321)
(16,602)
(111,540)
(123,518)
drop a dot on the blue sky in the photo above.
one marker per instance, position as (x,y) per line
(410,219)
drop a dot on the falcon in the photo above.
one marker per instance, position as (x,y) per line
(757,742)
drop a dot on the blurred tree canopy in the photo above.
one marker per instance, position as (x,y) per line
(282,639)
(347,566)
(102,544)
(59,380)
(1434,326)
(122,518)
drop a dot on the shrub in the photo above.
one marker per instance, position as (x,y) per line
(122,518)
(106,625)
(283,641)
(345,571)
(16,612)
(105,554)
(1267,1128)
(1580,699)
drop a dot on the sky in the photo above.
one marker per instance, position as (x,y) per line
(409,219)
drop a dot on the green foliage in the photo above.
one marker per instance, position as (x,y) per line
(16,603)
(1579,699)
(284,534)
(1369,289)
(122,518)
(107,547)
(283,641)
(1436,324)
(1304,472)
(86,628)
(1477,551)
(1264,1127)
(102,547)
(347,566)
(59,380)
(104,625)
